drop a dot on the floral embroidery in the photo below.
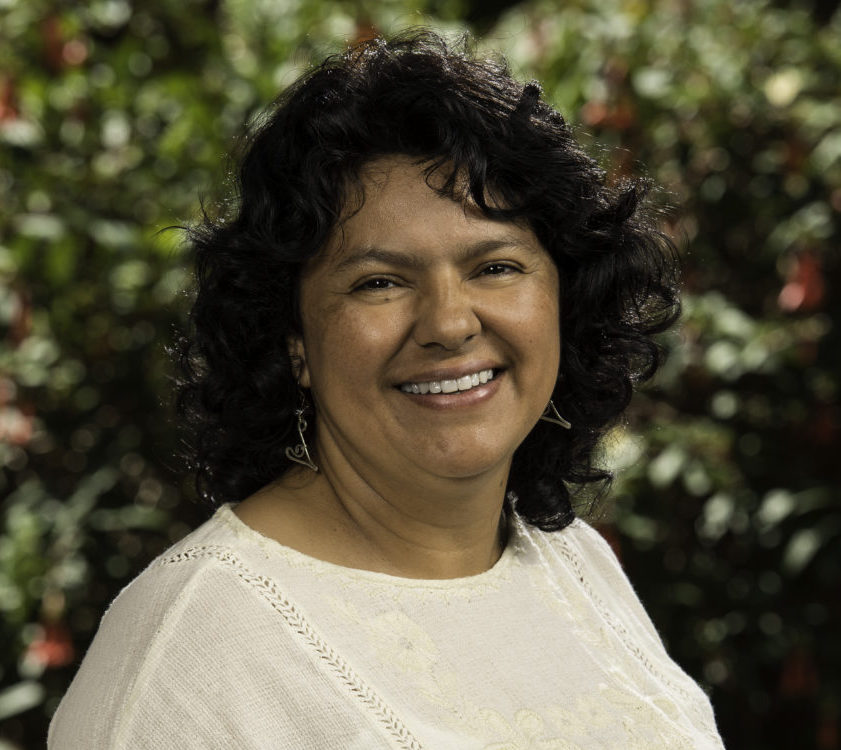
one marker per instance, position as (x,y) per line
(526,732)
(461,661)
(614,638)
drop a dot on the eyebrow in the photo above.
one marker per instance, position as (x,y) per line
(416,262)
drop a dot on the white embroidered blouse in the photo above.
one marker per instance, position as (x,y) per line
(231,640)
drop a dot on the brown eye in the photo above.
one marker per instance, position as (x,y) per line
(498,269)
(375,284)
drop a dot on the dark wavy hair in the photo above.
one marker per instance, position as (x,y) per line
(420,96)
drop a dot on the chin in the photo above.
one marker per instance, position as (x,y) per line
(467,467)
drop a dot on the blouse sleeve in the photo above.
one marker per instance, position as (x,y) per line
(198,662)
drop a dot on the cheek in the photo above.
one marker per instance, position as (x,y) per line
(538,318)
(354,342)
(543,340)
(549,309)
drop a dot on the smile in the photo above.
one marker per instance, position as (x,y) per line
(464,383)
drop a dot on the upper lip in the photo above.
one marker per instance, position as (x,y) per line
(449,373)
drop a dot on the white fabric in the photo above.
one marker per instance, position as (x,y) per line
(230,640)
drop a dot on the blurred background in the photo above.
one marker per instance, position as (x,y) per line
(116,116)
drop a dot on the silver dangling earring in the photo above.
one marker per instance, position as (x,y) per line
(300,453)
(551,415)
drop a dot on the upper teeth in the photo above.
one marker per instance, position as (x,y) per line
(464,383)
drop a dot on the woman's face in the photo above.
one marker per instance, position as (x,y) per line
(407,313)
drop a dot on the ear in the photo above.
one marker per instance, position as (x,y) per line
(298,355)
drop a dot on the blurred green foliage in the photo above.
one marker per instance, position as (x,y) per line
(116,116)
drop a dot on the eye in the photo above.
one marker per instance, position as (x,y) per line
(374,284)
(498,269)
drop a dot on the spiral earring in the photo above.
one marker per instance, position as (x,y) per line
(300,453)
(550,414)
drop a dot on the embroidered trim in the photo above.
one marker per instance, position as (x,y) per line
(268,590)
(575,561)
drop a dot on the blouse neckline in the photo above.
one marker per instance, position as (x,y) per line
(297,558)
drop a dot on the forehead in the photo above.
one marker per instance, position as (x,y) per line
(397,201)
(393,184)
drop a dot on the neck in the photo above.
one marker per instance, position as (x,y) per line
(428,527)
(418,526)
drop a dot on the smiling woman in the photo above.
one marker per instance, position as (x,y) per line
(405,345)
(420,289)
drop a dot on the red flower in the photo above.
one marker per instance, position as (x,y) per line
(52,648)
(804,288)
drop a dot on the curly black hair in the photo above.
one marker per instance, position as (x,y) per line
(420,96)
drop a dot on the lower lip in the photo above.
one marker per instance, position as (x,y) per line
(461,399)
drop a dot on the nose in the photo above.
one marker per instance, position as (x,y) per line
(446,315)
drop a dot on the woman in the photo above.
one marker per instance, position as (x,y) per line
(406,342)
